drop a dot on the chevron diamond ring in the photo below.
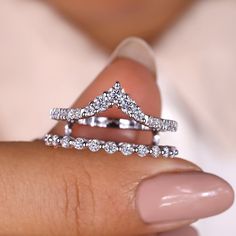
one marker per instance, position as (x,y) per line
(114,97)
(117,97)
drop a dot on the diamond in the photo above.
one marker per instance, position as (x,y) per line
(165,151)
(115,95)
(110,147)
(101,103)
(65,142)
(139,115)
(142,150)
(117,85)
(94,145)
(74,114)
(79,143)
(165,125)
(126,148)
(63,113)
(55,140)
(89,110)
(156,151)
(48,139)
(174,126)
(127,105)
(154,122)
(55,113)
(173,152)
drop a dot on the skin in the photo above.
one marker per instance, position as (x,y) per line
(109,21)
(47,191)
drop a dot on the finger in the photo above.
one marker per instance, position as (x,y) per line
(46,191)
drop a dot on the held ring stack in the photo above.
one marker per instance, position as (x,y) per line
(88,115)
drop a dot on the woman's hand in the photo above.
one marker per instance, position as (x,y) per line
(46,191)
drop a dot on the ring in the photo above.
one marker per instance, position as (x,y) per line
(110,147)
(117,97)
(105,122)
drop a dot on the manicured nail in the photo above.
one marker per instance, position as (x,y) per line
(138,50)
(182,196)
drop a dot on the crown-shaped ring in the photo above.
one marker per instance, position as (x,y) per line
(115,96)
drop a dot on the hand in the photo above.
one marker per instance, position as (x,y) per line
(46,191)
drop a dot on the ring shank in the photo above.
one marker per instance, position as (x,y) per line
(119,123)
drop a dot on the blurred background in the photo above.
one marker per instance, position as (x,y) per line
(51,50)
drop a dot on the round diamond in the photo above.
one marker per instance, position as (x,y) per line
(156,151)
(127,105)
(154,123)
(74,114)
(48,139)
(55,113)
(79,143)
(55,140)
(89,110)
(115,95)
(142,150)
(173,152)
(65,142)
(117,85)
(126,149)
(110,147)
(63,113)
(165,125)
(139,115)
(94,145)
(165,151)
(101,103)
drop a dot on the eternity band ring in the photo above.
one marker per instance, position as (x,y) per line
(94,145)
(117,97)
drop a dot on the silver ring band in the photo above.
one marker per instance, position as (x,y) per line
(76,115)
(68,128)
(110,147)
(117,97)
(105,122)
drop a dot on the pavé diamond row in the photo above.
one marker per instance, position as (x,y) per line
(117,97)
(110,147)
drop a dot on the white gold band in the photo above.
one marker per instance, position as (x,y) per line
(105,122)
(110,147)
(117,97)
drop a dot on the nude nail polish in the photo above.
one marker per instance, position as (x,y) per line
(182,196)
(136,49)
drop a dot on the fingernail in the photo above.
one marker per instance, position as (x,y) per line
(182,196)
(138,50)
